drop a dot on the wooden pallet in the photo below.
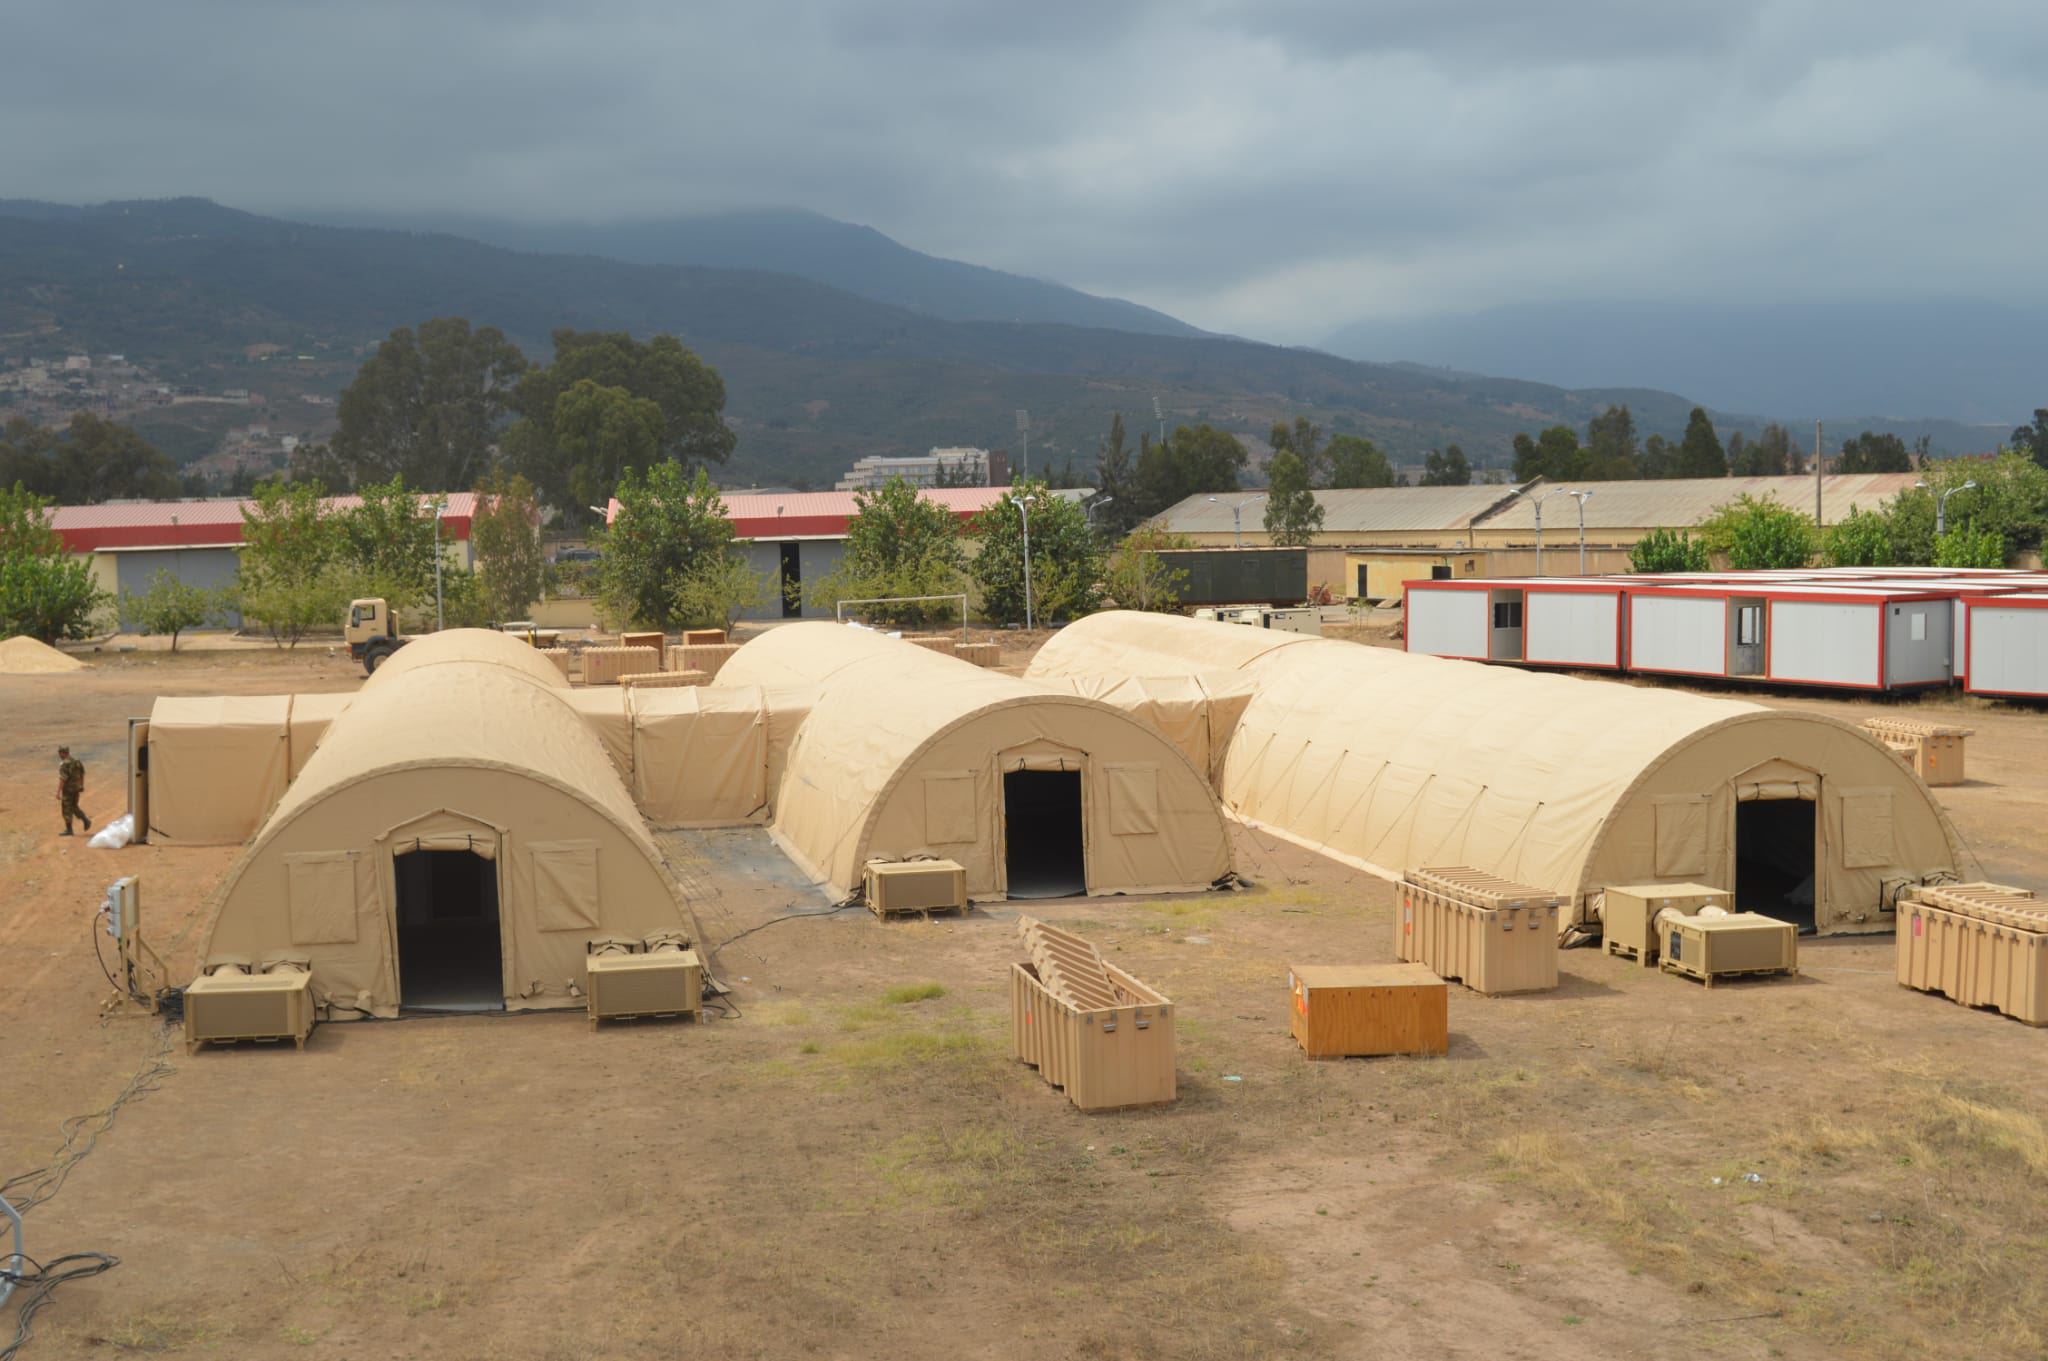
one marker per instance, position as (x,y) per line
(694,1015)
(925,913)
(1679,968)
(1621,951)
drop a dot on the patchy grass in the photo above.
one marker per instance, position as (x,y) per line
(903,994)
(156,1332)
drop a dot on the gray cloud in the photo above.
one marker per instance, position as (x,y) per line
(1273,167)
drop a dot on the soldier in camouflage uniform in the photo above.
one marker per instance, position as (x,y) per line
(70,784)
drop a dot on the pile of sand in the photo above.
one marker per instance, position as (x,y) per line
(27,657)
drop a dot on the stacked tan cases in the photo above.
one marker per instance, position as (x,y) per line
(1628,914)
(981,654)
(656,641)
(1985,945)
(705,657)
(935,642)
(1358,1010)
(561,657)
(1490,934)
(663,680)
(1934,750)
(604,665)
(1089,1028)
(703,637)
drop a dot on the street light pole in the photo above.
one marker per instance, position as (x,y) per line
(1024,509)
(1538,503)
(440,509)
(1941,508)
(1583,497)
(1237,517)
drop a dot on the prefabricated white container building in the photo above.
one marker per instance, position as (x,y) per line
(2008,645)
(1848,634)
(1540,621)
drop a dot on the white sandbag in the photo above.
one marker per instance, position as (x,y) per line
(115,834)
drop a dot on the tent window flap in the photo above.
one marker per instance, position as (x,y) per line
(949,807)
(322,890)
(1133,799)
(565,885)
(1681,833)
(1867,835)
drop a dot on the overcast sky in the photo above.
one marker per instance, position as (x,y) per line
(1271,167)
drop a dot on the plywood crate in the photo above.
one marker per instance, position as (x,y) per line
(561,657)
(662,680)
(1359,1010)
(703,638)
(1509,946)
(604,665)
(657,641)
(935,642)
(1934,750)
(1091,1030)
(1983,945)
(1725,945)
(1628,914)
(981,654)
(705,657)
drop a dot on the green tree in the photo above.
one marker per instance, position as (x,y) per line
(600,434)
(1611,454)
(688,392)
(1759,535)
(1660,458)
(1554,454)
(1869,453)
(385,544)
(1862,538)
(1066,564)
(1357,462)
(1700,453)
(1446,469)
(465,600)
(1194,460)
(2032,440)
(718,590)
(1121,504)
(1137,578)
(670,525)
(1667,550)
(170,606)
(1770,454)
(1293,515)
(291,575)
(1303,439)
(45,592)
(90,460)
(898,543)
(2009,500)
(505,535)
(426,406)
(1969,546)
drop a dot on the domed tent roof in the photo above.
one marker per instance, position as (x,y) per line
(465,748)
(1393,761)
(905,751)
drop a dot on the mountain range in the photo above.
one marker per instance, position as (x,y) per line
(817,375)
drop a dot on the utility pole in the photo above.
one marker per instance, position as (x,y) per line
(1024,433)
(1159,412)
(1024,509)
(440,509)
(1816,475)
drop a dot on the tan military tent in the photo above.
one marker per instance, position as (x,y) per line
(311,716)
(217,766)
(456,840)
(908,753)
(1391,761)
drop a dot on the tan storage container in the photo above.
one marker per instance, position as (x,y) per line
(935,642)
(1090,1029)
(1628,914)
(231,1005)
(663,680)
(705,657)
(657,641)
(1358,1010)
(604,665)
(561,657)
(665,981)
(1984,945)
(1724,946)
(981,654)
(702,637)
(1492,935)
(895,887)
(1934,750)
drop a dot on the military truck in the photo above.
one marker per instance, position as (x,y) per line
(372,633)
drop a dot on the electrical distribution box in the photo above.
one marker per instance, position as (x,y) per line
(1628,914)
(924,886)
(1358,1010)
(230,1005)
(1720,945)
(666,978)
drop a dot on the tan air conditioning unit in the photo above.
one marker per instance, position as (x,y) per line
(1717,945)
(1628,914)
(231,1004)
(665,978)
(895,887)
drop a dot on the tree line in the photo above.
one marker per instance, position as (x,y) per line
(1613,452)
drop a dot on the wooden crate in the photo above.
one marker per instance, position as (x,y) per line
(1491,950)
(1359,1010)
(662,680)
(1108,1057)
(604,665)
(981,654)
(1934,750)
(657,641)
(705,657)
(935,642)
(1628,914)
(703,638)
(561,657)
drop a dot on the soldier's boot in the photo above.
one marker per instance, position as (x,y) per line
(86,820)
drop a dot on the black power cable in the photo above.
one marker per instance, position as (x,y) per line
(35,1286)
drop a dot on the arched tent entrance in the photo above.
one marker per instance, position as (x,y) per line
(1391,761)
(906,753)
(455,796)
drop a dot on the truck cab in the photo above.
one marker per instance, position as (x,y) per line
(370,633)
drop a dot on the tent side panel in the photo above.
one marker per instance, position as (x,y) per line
(1685,635)
(1826,643)
(1447,622)
(217,766)
(1572,628)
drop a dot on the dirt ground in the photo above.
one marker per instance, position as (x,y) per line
(853,1167)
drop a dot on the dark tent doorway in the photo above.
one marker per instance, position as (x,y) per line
(1042,853)
(449,952)
(1774,860)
